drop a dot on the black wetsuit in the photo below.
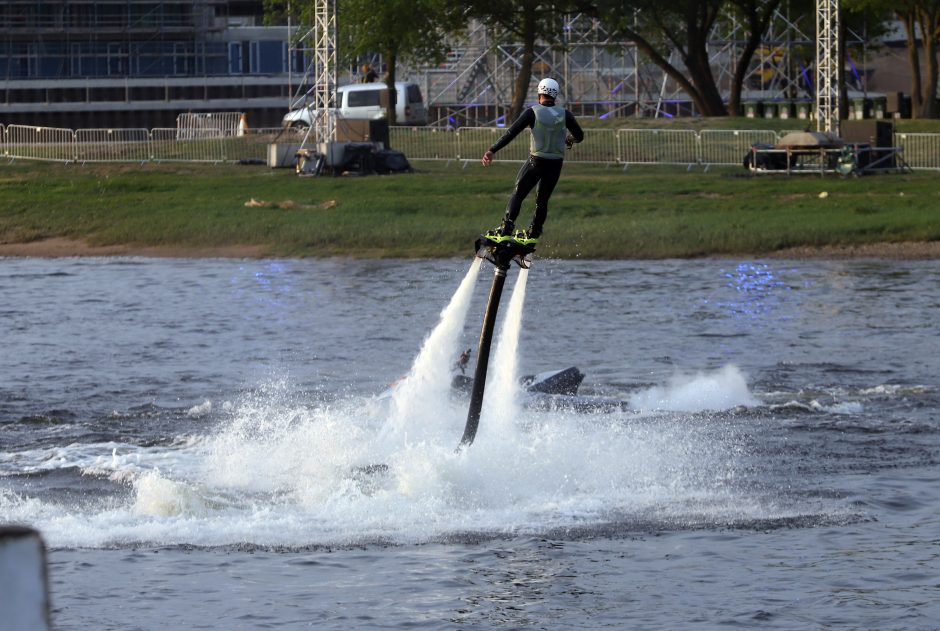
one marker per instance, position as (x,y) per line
(536,170)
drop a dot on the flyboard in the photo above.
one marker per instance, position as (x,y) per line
(500,250)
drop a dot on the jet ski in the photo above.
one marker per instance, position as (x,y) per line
(565,381)
(551,390)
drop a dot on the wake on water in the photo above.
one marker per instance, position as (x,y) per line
(363,470)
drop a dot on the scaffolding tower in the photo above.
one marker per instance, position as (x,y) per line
(827,66)
(604,75)
(323,36)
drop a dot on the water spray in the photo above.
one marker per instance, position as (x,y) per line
(501,251)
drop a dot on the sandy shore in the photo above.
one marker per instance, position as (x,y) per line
(60,247)
(910,250)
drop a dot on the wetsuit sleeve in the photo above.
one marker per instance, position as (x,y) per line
(572,124)
(526,119)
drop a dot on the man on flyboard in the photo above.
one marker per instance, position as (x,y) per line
(550,125)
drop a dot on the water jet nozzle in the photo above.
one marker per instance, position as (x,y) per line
(502,250)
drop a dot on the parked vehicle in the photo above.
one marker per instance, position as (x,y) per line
(367,101)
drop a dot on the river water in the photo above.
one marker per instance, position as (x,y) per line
(205,444)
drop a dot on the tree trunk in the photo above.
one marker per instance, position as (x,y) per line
(520,88)
(913,58)
(674,73)
(929,29)
(699,22)
(391,111)
(840,71)
(710,101)
(740,71)
(757,26)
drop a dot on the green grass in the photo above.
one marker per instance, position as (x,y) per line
(596,212)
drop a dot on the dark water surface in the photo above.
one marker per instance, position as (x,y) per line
(197,441)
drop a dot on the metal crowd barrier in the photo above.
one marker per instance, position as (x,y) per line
(600,146)
(39,143)
(425,143)
(921,150)
(472,143)
(112,145)
(168,145)
(195,125)
(252,144)
(723,146)
(658,146)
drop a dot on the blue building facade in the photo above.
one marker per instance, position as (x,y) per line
(139,63)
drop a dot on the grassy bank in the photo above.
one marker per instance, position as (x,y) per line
(595,212)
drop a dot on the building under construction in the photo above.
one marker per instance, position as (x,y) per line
(141,63)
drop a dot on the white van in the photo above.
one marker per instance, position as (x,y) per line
(365,101)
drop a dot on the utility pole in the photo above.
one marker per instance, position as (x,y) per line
(827,66)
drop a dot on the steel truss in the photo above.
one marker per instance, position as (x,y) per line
(317,88)
(602,75)
(827,66)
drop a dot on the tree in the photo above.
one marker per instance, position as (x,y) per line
(756,15)
(923,17)
(657,27)
(400,30)
(921,20)
(686,26)
(526,21)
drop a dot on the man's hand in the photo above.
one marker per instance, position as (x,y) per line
(569,141)
(487,158)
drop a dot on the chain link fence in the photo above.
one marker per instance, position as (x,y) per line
(600,146)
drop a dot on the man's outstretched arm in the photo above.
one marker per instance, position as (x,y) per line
(526,119)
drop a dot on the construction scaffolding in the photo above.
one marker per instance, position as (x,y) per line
(603,75)
(827,66)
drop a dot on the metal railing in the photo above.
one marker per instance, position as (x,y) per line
(921,150)
(425,143)
(600,146)
(39,143)
(23,142)
(658,146)
(722,146)
(112,145)
(169,145)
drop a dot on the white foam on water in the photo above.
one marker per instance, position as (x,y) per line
(281,471)
(429,379)
(201,410)
(501,396)
(723,389)
(844,407)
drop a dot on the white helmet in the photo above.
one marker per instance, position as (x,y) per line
(549,87)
